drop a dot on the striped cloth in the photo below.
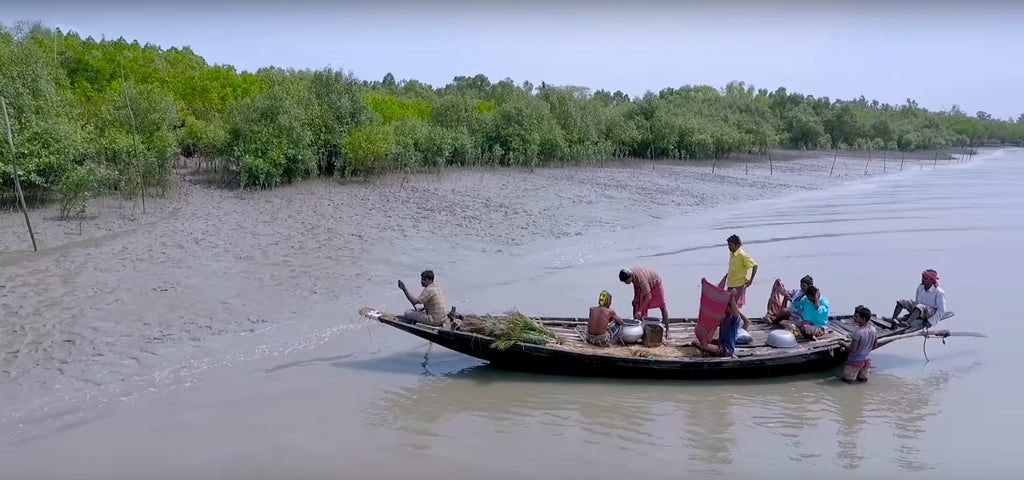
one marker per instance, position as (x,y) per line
(713,301)
(775,300)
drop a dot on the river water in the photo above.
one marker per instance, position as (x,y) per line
(371,402)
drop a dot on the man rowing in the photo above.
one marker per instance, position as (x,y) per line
(431,298)
(648,292)
(928,305)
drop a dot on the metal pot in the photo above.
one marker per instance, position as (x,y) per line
(781,338)
(632,331)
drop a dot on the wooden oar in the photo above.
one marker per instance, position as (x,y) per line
(928,334)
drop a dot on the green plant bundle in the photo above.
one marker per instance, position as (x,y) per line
(514,328)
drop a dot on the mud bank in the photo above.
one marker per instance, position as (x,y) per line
(129,298)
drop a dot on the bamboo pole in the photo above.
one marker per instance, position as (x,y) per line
(836,157)
(928,334)
(135,145)
(771,168)
(17,181)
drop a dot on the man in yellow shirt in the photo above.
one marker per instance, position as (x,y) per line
(735,280)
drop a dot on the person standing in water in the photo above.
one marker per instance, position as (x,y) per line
(862,341)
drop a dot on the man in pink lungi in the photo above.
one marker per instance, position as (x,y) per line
(648,292)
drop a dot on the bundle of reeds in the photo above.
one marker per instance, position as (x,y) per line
(507,330)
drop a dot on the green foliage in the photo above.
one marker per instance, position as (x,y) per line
(77,186)
(267,136)
(367,148)
(391,109)
(484,106)
(510,329)
(118,113)
(41,110)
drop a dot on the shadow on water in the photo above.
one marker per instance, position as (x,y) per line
(810,414)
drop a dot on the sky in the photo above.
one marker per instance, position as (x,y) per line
(940,53)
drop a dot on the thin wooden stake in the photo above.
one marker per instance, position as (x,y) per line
(867,162)
(834,162)
(17,181)
(771,168)
(936,161)
(903,158)
(135,146)
(885,159)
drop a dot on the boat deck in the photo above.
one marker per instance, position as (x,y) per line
(571,337)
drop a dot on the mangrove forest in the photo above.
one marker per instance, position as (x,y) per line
(114,116)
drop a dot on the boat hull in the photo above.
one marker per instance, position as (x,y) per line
(548,360)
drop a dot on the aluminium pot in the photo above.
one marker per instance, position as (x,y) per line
(632,331)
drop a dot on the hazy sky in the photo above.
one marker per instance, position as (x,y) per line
(939,53)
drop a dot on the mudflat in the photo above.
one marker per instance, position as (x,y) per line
(123,303)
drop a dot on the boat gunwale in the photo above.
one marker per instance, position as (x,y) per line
(782,356)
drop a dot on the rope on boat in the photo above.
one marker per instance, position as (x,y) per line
(924,345)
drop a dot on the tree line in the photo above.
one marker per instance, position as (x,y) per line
(113,115)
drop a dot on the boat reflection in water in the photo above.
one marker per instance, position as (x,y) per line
(707,425)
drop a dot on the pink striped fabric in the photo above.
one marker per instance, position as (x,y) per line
(776,299)
(713,301)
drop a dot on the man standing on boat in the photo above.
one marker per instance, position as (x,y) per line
(431,298)
(928,305)
(735,279)
(648,292)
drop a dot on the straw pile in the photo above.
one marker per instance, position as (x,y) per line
(507,330)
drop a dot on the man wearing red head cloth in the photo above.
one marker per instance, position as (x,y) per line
(928,305)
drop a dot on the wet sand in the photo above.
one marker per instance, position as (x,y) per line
(209,277)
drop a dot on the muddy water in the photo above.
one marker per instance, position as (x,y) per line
(221,341)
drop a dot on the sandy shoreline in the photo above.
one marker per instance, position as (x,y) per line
(658,180)
(133,294)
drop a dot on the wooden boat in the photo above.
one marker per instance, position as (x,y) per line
(675,358)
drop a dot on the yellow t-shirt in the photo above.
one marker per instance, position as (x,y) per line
(739,264)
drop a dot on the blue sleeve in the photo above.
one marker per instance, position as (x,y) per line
(823,308)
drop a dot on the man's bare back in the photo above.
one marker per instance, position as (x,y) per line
(600,316)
